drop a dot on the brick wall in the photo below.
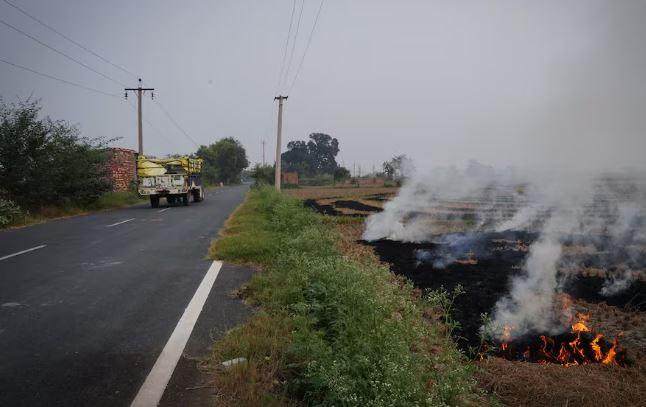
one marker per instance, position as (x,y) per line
(289,178)
(121,168)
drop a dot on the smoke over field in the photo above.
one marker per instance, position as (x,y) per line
(574,224)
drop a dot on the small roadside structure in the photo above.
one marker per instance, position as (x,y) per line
(289,177)
(122,165)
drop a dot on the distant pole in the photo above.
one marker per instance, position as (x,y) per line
(140,128)
(354,170)
(278,140)
(263,152)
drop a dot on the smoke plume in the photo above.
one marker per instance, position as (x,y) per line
(598,216)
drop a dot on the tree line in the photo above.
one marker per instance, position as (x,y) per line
(313,158)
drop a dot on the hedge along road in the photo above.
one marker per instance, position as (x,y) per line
(88,303)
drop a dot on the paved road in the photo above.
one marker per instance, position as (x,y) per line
(83,319)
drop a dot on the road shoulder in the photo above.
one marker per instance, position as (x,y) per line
(222,311)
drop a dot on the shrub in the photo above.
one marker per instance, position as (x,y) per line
(9,211)
(47,163)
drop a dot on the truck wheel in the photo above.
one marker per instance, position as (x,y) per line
(185,199)
(154,201)
(197,195)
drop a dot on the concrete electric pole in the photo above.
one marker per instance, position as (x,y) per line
(140,128)
(263,152)
(278,140)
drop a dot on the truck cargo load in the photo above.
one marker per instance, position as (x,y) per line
(176,179)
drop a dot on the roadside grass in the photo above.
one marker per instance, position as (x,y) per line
(109,200)
(331,329)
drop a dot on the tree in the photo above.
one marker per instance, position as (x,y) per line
(314,157)
(224,161)
(399,167)
(45,162)
(297,158)
(323,150)
(341,174)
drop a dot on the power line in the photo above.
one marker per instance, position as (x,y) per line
(307,47)
(78,85)
(163,109)
(289,34)
(156,130)
(291,55)
(69,39)
(60,52)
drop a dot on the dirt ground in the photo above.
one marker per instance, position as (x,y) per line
(513,382)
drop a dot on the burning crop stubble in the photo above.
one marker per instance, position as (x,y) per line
(603,213)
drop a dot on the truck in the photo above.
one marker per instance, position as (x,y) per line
(176,179)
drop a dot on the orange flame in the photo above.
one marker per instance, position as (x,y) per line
(581,350)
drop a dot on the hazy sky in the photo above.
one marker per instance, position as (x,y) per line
(505,82)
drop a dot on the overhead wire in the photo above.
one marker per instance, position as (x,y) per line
(60,52)
(307,47)
(39,21)
(289,34)
(104,59)
(65,81)
(172,120)
(291,55)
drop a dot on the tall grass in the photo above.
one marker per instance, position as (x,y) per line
(356,335)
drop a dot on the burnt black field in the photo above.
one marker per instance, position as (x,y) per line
(494,259)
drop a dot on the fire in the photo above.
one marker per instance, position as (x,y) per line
(580,346)
(580,326)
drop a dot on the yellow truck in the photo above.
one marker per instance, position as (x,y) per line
(176,179)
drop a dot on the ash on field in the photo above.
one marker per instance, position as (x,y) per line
(597,300)
(348,201)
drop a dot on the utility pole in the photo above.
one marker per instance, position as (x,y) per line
(278,140)
(263,152)
(140,128)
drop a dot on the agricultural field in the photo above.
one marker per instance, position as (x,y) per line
(601,360)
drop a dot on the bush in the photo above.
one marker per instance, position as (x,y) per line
(47,163)
(263,174)
(9,211)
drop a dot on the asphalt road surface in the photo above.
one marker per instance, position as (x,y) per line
(88,303)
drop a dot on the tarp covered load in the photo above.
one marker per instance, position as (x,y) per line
(148,166)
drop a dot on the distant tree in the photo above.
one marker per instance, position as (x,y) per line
(48,163)
(399,167)
(224,161)
(297,158)
(323,150)
(314,157)
(341,174)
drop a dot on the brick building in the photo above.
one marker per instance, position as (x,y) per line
(288,177)
(121,168)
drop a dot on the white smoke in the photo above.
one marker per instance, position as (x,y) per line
(617,284)
(609,211)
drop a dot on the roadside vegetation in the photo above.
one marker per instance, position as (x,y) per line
(47,169)
(333,327)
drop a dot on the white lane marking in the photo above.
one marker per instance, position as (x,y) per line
(22,252)
(153,388)
(162,210)
(119,223)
